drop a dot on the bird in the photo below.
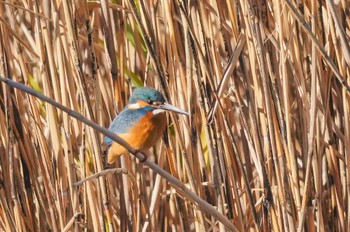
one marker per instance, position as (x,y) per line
(141,123)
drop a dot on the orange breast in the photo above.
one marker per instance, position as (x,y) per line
(142,136)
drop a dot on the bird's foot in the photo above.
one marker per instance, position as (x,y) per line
(144,156)
(107,166)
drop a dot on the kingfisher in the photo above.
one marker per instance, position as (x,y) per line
(141,123)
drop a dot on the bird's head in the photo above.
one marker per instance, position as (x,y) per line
(152,99)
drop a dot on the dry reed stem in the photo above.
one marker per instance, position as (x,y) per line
(266,85)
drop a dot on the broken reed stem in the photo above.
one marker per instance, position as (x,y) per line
(102,173)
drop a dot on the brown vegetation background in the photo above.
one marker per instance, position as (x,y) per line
(265,82)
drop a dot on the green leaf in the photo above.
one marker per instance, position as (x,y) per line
(204,142)
(130,37)
(135,79)
(34,84)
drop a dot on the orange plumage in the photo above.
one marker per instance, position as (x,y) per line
(142,136)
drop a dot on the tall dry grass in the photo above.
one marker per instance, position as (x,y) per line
(267,142)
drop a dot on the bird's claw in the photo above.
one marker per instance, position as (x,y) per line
(144,156)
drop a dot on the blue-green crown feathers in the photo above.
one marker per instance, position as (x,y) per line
(146,94)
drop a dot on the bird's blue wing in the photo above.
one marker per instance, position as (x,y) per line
(124,121)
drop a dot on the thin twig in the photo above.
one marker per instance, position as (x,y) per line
(102,173)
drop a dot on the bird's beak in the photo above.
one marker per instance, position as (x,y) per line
(169,107)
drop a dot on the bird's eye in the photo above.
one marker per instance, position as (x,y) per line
(150,102)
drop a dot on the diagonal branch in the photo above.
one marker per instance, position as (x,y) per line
(177,184)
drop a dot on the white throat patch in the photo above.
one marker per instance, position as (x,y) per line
(157,111)
(136,106)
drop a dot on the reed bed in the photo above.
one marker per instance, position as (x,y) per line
(267,142)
